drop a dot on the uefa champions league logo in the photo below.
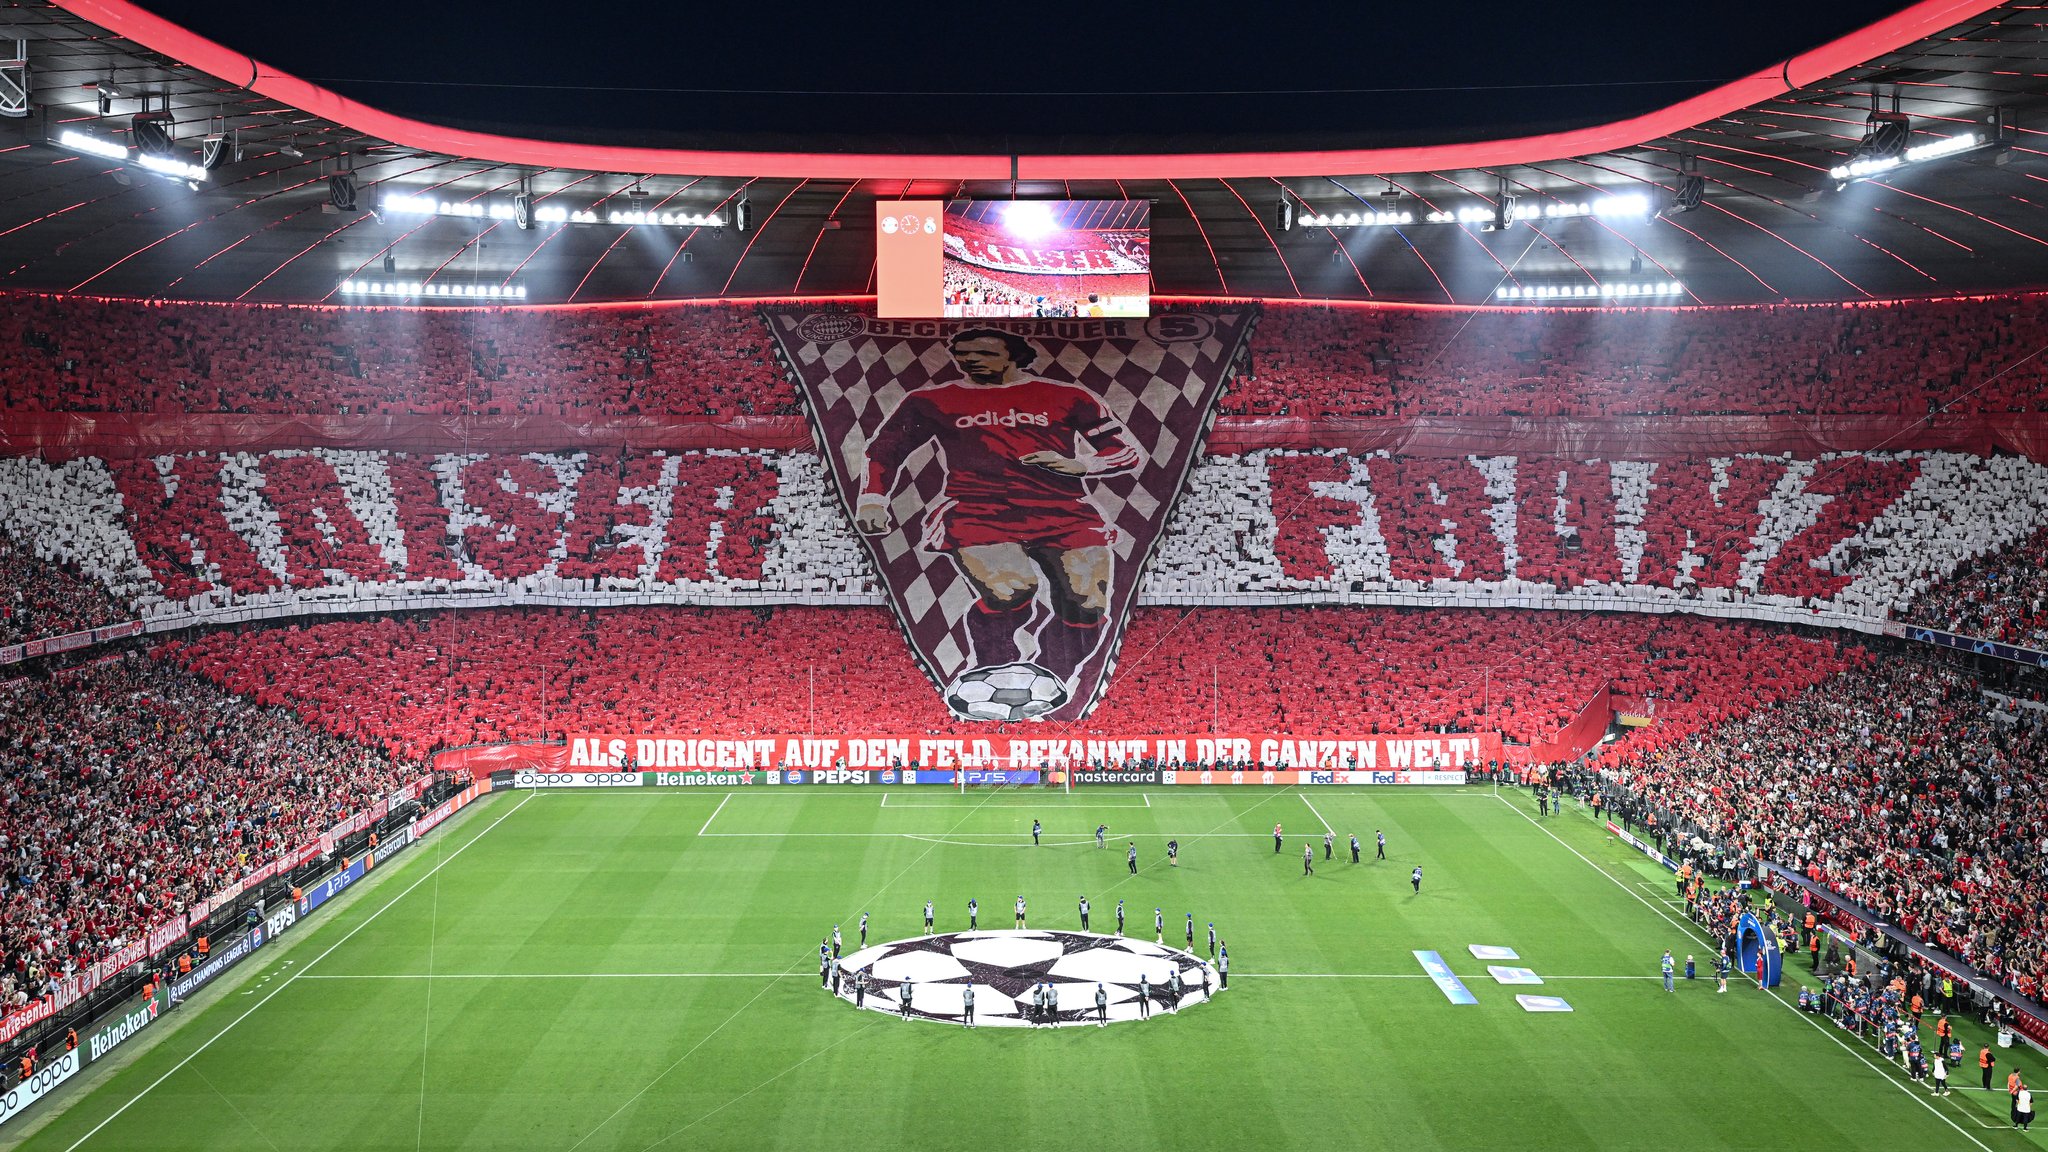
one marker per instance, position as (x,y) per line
(1006,969)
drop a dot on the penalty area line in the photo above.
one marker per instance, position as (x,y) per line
(1327,830)
(728,796)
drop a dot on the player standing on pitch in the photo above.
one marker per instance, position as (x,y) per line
(1019,453)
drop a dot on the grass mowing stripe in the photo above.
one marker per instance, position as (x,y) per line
(777,975)
(1693,930)
(763,1084)
(237,1111)
(188,1057)
(778,978)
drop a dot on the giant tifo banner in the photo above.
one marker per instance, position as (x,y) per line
(1010,480)
(1842,540)
(616,753)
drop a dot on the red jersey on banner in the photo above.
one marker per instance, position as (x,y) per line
(1070,437)
(982,434)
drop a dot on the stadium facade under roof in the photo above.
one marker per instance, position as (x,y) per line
(1746,194)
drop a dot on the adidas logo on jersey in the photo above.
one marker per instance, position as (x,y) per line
(1010,419)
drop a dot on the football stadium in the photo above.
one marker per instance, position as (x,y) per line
(1486,594)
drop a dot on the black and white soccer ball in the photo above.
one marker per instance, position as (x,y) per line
(1005,692)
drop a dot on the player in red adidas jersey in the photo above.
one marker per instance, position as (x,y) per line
(1019,453)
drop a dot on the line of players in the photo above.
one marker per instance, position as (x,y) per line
(1044,1009)
(1045,1002)
(1219,949)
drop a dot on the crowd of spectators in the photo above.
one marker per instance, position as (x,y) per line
(88,355)
(1908,358)
(1899,784)
(1309,361)
(411,684)
(130,789)
(39,599)
(1999,596)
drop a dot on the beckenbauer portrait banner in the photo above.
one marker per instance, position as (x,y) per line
(1009,480)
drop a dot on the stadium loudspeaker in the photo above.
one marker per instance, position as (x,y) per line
(1692,188)
(151,132)
(742,216)
(522,211)
(341,191)
(1283,216)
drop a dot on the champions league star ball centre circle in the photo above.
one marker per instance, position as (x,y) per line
(1005,692)
(1005,966)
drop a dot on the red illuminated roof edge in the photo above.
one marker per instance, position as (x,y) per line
(1344,302)
(157,34)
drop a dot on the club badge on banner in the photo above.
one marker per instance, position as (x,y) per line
(1009,480)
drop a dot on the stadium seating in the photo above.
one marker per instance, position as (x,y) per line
(1309,361)
(1909,358)
(412,684)
(2002,596)
(129,789)
(39,600)
(1896,783)
(63,354)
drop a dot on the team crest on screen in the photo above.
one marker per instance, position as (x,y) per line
(1009,480)
(1025,978)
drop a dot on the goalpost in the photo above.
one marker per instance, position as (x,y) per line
(1001,772)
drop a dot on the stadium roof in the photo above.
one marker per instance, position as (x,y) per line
(1772,223)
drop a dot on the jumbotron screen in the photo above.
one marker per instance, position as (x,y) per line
(1013,258)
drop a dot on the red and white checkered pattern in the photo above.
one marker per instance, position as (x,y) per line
(1160,376)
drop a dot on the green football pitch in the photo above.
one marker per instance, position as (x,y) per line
(638,970)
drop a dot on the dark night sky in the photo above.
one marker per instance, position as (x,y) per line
(1021,77)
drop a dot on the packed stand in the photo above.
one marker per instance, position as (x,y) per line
(412,684)
(89,355)
(130,789)
(1898,784)
(2002,596)
(1309,361)
(39,600)
(1909,358)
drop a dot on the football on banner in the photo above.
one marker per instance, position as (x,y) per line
(1005,692)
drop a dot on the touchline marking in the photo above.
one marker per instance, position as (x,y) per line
(1327,830)
(721,808)
(1694,932)
(294,976)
